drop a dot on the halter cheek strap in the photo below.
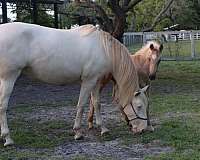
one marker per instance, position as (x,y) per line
(137,116)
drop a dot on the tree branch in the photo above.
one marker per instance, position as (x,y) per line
(114,6)
(131,4)
(158,18)
(107,23)
(125,3)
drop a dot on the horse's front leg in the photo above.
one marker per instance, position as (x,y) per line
(149,125)
(6,88)
(92,103)
(97,106)
(86,88)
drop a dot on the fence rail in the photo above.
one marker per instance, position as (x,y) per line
(178,45)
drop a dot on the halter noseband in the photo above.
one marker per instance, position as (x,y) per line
(137,116)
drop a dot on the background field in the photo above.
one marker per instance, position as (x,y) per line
(41,119)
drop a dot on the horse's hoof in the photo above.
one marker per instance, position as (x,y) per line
(8,142)
(78,136)
(150,128)
(104,131)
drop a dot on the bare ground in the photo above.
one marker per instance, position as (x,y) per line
(35,93)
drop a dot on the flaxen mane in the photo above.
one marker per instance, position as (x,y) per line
(146,48)
(123,69)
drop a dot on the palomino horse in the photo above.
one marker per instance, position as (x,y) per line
(84,54)
(146,62)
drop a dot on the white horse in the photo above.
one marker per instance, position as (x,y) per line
(83,54)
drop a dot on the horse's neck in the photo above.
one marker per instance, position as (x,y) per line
(125,74)
(122,68)
(141,63)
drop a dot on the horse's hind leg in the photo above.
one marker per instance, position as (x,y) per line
(6,88)
(90,114)
(92,103)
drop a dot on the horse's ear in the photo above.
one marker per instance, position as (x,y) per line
(151,46)
(161,47)
(145,89)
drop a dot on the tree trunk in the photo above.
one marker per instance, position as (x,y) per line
(119,19)
(119,26)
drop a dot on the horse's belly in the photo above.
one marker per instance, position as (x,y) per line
(52,76)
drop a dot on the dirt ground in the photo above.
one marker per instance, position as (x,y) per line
(31,92)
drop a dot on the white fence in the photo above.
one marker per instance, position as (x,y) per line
(177,44)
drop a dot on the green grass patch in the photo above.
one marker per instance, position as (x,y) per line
(40,135)
(178,111)
(181,130)
(176,103)
(30,136)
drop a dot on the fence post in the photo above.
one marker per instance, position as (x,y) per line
(55,15)
(192,45)
(4,11)
(35,11)
(144,38)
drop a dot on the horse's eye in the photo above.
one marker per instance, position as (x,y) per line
(139,108)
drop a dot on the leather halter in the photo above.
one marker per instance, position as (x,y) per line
(137,116)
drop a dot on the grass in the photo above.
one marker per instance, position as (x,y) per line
(178,111)
(44,135)
(181,130)
(32,136)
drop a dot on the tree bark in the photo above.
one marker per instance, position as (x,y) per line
(119,19)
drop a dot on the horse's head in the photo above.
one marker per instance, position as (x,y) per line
(154,58)
(136,112)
